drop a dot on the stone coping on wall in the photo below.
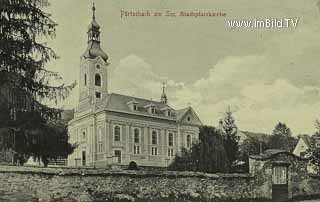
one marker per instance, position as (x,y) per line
(316,176)
(66,171)
(271,153)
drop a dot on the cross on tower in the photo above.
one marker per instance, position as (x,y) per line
(93,10)
(164,98)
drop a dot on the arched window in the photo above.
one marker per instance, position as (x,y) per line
(85,79)
(136,135)
(188,140)
(154,137)
(117,133)
(170,139)
(100,134)
(97,80)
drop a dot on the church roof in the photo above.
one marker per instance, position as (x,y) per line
(94,50)
(182,112)
(119,103)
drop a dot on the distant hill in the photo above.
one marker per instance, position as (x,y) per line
(263,137)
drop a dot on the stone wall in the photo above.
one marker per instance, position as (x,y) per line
(6,157)
(74,185)
(48,184)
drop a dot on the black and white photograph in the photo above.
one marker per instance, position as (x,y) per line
(159,100)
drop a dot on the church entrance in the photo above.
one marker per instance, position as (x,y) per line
(280,183)
(117,154)
(83,158)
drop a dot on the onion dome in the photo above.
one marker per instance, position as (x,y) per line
(94,50)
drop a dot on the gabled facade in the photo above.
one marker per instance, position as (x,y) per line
(306,143)
(303,145)
(114,129)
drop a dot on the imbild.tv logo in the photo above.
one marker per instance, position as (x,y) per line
(264,23)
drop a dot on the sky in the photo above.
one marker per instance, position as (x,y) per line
(265,75)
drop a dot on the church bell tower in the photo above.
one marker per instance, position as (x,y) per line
(93,81)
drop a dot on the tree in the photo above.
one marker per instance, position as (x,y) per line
(230,129)
(207,155)
(315,159)
(185,161)
(25,83)
(315,151)
(317,125)
(281,138)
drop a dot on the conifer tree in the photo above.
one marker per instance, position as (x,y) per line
(206,155)
(25,83)
(229,130)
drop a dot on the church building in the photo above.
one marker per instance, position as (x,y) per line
(113,129)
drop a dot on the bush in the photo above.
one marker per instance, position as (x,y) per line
(133,166)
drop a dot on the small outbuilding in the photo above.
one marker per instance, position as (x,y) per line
(283,175)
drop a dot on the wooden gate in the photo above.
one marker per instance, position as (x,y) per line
(280,183)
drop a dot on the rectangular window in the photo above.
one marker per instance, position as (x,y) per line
(154,151)
(154,137)
(189,141)
(136,149)
(100,131)
(136,135)
(98,95)
(135,107)
(170,139)
(170,152)
(100,148)
(169,113)
(117,154)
